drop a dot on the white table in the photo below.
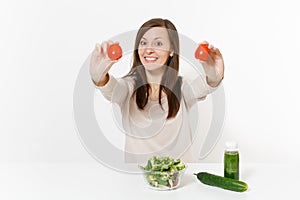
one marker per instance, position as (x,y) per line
(71,181)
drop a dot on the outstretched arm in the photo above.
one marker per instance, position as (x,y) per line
(200,87)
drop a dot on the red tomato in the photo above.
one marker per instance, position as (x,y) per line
(202,52)
(114,51)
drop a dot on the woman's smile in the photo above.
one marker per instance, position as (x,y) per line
(150,59)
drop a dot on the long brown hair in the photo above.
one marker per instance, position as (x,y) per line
(171,82)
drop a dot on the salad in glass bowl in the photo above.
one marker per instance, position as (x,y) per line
(163,173)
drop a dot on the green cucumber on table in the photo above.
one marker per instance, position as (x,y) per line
(222,182)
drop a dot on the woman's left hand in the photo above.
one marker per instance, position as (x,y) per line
(213,66)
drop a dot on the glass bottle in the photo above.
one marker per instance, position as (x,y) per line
(231,161)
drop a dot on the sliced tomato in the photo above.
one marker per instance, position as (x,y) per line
(202,52)
(114,51)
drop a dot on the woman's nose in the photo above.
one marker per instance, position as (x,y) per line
(149,49)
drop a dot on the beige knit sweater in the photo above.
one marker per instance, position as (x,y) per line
(148,133)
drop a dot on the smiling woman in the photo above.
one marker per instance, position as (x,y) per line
(154,100)
(155,44)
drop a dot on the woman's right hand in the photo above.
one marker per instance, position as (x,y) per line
(100,63)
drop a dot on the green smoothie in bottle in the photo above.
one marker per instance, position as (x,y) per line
(231,161)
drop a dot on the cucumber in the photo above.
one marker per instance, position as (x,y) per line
(222,182)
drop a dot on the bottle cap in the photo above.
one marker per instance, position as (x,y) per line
(231,146)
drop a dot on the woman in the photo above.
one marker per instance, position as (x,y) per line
(155,101)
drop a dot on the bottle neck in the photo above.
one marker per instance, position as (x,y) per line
(231,151)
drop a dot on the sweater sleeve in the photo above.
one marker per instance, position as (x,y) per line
(116,90)
(196,90)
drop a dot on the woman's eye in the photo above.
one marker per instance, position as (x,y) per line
(158,43)
(143,43)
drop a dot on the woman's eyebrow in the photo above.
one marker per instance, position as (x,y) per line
(153,39)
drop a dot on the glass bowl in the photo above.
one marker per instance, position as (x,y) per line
(163,180)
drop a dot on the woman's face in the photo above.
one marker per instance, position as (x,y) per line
(154,48)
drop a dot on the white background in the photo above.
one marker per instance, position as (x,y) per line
(43,45)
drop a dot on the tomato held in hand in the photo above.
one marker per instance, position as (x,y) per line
(114,51)
(202,52)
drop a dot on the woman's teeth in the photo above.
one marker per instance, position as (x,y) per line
(150,59)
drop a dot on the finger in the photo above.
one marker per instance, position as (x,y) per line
(211,47)
(114,61)
(97,50)
(218,51)
(203,61)
(109,61)
(97,47)
(215,52)
(104,46)
(204,42)
(110,42)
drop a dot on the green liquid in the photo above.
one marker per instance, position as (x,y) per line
(231,165)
